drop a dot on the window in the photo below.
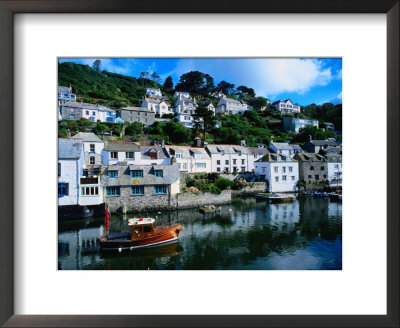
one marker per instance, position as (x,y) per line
(276,169)
(87,112)
(234,162)
(311,168)
(130,154)
(113,174)
(218,162)
(92,160)
(276,179)
(114,154)
(201,165)
(243,161)
(324,176)
(62,189)
(317,177)
(137,173)
(336,166)
(290,169)
(283,177)
(147,228)
(227,162)
(158,173)
(243,168)
(322,168)
(310,176)
(284,169)
(234,169)
(89,191)
(184,166)
(218,169)
(112,191)
(263,169)
(179,155)
(160,189)
(92,148)
(179,166)
(137,190)
(292,177)
(93,113)
(59,169)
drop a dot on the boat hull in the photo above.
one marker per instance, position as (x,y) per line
(161,237)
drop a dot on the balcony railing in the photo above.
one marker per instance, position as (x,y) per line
(89,180)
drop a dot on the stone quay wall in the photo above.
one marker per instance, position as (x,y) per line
(255,188)
(147,202)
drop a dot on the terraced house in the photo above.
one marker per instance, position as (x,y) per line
(313,169)
(134,187)
(115,153)
(279,171)
(190,159)
(230,158)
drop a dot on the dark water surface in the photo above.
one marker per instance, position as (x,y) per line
(245,235)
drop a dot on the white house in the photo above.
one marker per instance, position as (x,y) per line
(231,106)
(335,170)
(181,93)
(153,93)
(123,153)
(186,118)
(107,115)
(217,94)
(281,172)
(258,152)
(154,155)
(282,148)
(211,107)
(285,106)
(65,94)
(185,104)
(157,106)
(70,168)
(292,124)
(190,159)
(230,158)
(92,146)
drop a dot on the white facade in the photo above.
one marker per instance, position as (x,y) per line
(90,191)
(190,159)
(160,107)
(282,148)
(281,172)
(182,94)
(230,158)
(286,106)
(186,118)
(153,92)
(70,163)
(152,155)
(292,124)
(92,147)
(335,169)
(185,104)
(231,106)
(116,152)
(211,107)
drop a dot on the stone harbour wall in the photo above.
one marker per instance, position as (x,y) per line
(250,190)
(189,200)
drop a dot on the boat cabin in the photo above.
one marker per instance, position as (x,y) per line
(141,227)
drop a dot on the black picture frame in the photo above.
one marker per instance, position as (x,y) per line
(10,7)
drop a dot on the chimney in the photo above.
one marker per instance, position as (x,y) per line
(197,142)
(309,138)
(162,143)
(69,133)
(243,143)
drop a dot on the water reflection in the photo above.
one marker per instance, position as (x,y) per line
(246,234)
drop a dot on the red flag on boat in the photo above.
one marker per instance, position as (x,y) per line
(107,219)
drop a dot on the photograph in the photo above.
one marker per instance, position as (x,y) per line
(199,163)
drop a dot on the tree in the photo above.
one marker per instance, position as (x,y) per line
(176,132)
(134,128)
(243,90)
(191,82)
(156,78)
(207,117)
(169,84)
(97,65)
(257,102)
(226,87)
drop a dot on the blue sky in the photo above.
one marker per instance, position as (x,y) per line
(303,80)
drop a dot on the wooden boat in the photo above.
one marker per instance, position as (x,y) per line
(144,233)
(207,209)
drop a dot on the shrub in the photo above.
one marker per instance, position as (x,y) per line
(223,183)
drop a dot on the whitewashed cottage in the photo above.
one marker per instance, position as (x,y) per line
(282,148)
(230,158)
(190,159)
(92,146)
(231,106)
(115,153)
(285,106)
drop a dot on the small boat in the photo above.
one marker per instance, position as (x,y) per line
(276,198)
(144,233)
(207,209)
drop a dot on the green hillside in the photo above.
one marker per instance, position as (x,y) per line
(110,89)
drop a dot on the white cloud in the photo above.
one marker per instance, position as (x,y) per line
(268,77)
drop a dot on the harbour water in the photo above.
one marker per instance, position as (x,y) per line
(244,235)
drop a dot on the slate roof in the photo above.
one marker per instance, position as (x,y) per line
(121,146)
(137,109)
(273,157)
(228,149)
(187,152)
(62,89)
(152,101)
(161,152)
(84,105)
(334,158)
(69,148)
(307,157)
(282,145)
(297,148)
(259,151)
(323,143)
(87,137)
